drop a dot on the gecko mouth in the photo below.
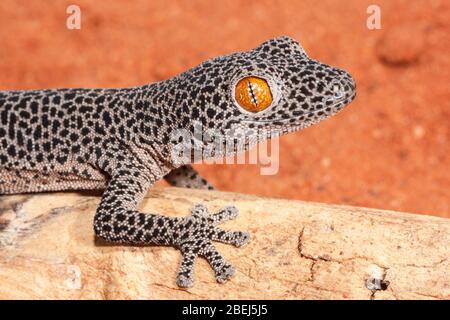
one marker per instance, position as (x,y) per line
(304,116)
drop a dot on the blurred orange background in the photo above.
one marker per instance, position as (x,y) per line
(389,149)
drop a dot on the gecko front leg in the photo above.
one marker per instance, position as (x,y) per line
(118,220)
(187,177)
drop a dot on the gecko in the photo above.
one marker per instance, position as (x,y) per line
(121,140)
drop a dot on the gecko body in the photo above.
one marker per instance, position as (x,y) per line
(122,140)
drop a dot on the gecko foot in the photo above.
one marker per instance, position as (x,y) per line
(194,236)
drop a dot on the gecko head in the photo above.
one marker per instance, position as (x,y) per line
(287,90)
(268,91)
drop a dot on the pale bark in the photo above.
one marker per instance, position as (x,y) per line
(298,250)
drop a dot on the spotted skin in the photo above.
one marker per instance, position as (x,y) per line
(187,177)
(121,140)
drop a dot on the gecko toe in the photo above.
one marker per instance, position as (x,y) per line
(222,268)
(225,214)
(225,273)
(241,238)
(185,276)
(199,210)
(236,238)
(184,280)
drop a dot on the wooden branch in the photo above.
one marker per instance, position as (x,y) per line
(298,250)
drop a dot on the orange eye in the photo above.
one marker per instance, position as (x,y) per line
(253,94)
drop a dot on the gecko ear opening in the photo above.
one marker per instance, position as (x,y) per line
(253,94)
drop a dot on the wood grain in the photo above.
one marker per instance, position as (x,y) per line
(298,250)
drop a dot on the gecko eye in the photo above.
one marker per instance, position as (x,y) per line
(253,94)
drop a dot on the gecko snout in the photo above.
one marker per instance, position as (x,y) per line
(342,88)
(348,85)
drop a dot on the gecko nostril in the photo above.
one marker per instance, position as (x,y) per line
(340,88)
(337,89)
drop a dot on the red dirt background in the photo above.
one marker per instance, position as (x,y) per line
(389,149)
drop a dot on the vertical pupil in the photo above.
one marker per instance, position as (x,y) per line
(252,94)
